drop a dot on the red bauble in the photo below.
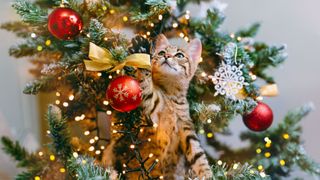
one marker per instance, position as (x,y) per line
(124,93)
(64,23)
(260,118)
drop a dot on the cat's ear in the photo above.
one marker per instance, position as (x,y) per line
(195,49)
(161,43)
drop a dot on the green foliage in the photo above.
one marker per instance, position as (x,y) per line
(236,172)
(59,133)
(30,13)
(19,28)
(87,169)
(43,84)
(31,162)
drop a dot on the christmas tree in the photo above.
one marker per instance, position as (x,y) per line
(96,57)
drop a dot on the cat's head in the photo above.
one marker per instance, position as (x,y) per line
(171,64)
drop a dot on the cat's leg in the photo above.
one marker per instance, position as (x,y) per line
(195,155)
(108,155)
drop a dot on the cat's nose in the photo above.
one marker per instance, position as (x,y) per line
(168,56)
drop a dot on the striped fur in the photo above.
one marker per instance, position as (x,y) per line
(173,141)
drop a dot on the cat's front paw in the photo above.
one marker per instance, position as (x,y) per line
(205,174)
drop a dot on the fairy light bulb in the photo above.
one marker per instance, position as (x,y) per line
(96,138)
(150,155)
(152,24)
(160,177)
(62,170)
(148,33)
(110,77)
(48,42)
(267,154)
(125,18)
(232,35)
(209,121)
(58,94)
(91,141)
(91,148)
(181,35)
(260,167)
(209,135)
(40,153)
(106,103)
(132,146)
(86,133)
(102,147)
(175,25)
(282,162)
(149,139)
(114,131)
(99,74)
(263,174)
(75,155)
(235,166)
(112,11)
(124,165)
(259,98)
(118,71)
(109,112)
(36,178)
(258,151)
(98,152)
(203,74)
(65,104)
(160,17)
(52,157)
(186,38)
(71,97)
(286,136)
(219,162)
(48,132)
(33,35)
(57,102)
(155,125)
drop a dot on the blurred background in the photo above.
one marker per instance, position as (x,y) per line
(292,22)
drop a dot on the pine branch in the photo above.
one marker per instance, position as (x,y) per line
(249,32)
(18,152)
(19,28)
(44,84)
(59,133)
(30,13)
(87,169)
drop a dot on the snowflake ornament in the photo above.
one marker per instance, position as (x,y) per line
(228,80)
(120,92)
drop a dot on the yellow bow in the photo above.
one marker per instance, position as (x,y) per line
(102,60)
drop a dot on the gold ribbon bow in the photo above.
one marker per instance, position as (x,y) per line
(101,59)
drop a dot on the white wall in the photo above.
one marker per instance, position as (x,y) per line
(18,112)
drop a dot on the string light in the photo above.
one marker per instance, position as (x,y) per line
(209,121)
(65,104)
(102,147)
(40,153)
(124,165)
(110,77)
(267,154)
(71,97)
(155,125)
(86,133)
(258,151)
(52,157)
(148,33)
(268,145)
(57,102)
(160,17)
(232,35)
(39,48)
(48,132)
(125,18)
(151,24)
(118,71)
(219,162)
(106,39)
(282,162)
(203,74)
(149,139)
(200,60)
(104,8)
(98,152)
(160,177)
(75,155)
(112,11)
(37,178)
(106,103)
(114,131)
(181,35)
(260,167)
(91,141)
(150,155)
(286,136)
(209,135)
(58,94)
(99,74)
(62,170)
(48,42)
(96,138)
(201,131)
(88,35)
(235,166)
(109,112)
(186,38)
(83,161)
(33,35)
(251,171)
(239,38)
(91,148)
(132,146)
(175,25)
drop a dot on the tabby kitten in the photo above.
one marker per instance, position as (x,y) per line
(173,142)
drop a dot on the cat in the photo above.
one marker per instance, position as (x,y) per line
(174,142)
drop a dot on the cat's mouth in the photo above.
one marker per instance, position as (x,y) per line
(165,62)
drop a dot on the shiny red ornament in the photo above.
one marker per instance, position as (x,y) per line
(64,23)
(260,118)
(124,93)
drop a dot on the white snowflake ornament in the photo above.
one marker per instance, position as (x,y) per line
(228,80)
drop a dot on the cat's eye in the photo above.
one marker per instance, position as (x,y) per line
(161,53)
(179,55)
